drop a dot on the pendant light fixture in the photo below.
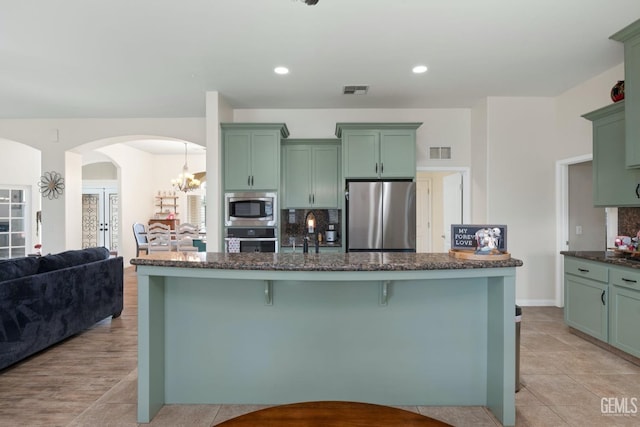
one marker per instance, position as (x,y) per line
(186,181)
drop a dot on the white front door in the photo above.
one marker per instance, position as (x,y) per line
(100,218)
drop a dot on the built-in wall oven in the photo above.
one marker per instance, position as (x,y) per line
(252,239)
(250,209)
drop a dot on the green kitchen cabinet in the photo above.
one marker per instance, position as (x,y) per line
(251,153)
(613,183)
(624,309)
(378,150)
(630,36)
(586,289)
(311,172)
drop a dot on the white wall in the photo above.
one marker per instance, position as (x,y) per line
(479,163)
(72,211)
(521,188)
(218,111)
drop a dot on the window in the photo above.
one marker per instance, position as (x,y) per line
(196,211)
(13,215)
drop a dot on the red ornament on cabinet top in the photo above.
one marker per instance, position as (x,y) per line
(617,91)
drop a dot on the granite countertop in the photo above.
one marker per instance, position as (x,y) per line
(352,261)
(606,257)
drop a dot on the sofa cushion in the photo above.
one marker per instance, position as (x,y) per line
(71,258)
(15,268)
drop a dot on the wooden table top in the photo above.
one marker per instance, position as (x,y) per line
(333,414)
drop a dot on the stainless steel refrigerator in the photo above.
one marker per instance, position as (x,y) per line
(381,216)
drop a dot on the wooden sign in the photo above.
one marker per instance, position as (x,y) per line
(466,236)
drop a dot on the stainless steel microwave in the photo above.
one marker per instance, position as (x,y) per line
(250,209)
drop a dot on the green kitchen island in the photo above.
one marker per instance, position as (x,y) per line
(383,328)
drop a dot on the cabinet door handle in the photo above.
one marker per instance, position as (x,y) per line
(629,280)
(309,198)
(583,270)
(313,198)
(252,180)
(381,167)
(638,190)
(377,168)
(602,298)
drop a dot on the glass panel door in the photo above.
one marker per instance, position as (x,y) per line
(100,218)
(13,214)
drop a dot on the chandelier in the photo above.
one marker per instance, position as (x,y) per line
(185,181)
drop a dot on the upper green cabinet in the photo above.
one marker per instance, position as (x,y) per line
(378,150)
(251,153)
(311,174)
(613,183)
(630,36)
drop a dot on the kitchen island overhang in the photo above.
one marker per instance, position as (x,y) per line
(385,328)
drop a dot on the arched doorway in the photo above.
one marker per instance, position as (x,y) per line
(100,206)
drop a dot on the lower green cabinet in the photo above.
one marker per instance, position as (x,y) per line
(624,310)
(585,296)
(585,306)
(603,300)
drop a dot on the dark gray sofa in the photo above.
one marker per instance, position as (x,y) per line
(44,300)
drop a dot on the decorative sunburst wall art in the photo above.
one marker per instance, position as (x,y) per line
(51,185)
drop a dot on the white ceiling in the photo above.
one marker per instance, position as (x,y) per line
(157,58)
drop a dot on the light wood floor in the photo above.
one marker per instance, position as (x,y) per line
(90,380)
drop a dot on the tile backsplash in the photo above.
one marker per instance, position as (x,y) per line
(297,228)
(628,221)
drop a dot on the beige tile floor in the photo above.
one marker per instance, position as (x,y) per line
(90,380)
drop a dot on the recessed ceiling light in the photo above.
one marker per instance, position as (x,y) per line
(419,69)
(281,70)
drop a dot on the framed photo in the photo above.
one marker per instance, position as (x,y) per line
(471,236)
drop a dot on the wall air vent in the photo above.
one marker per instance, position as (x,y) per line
(355,90)
(440,153)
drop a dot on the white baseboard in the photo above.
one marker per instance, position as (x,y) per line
(536,302)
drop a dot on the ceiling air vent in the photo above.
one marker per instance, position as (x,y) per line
(355,90)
